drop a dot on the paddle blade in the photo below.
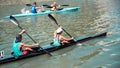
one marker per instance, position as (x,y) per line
(52,18)
(13,20)
(28,5)
(60,9)
(64,5)
(47,6)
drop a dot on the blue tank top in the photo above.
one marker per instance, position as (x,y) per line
(16,50)
(56,41)
(33,9)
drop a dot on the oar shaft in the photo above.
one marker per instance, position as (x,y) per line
(66,32)
(28,35)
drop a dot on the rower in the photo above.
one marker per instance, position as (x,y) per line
(55,6)
(59,39)
(35,8)
(20,48)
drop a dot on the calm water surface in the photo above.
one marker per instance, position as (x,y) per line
(94,16)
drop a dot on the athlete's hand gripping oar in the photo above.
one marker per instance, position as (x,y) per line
(13,20)
(52,18)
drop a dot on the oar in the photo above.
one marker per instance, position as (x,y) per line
(52,18)
(14,21)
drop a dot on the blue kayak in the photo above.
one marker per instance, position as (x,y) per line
(46,12)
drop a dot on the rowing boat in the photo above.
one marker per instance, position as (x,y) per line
(50,48)
(45,12)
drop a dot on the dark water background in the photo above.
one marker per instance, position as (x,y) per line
(94,16)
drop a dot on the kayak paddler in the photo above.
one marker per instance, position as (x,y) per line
(55,6)
(59,39)
(35,8)
(20,48)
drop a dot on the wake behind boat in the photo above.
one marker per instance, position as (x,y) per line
(45,12)
(50,48)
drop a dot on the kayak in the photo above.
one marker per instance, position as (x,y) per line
(46,12)
(49,48)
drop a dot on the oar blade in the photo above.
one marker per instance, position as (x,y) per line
(14,21)
(52,18)
(48,7)
(60,9)
(45,5)
(64,5)
(28,5)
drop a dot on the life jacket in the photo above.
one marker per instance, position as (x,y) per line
(33,9)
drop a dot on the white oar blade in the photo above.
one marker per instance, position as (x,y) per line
(13,20)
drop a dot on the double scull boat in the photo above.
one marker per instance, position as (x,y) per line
(49,48)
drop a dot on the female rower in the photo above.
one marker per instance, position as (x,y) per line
(55,6)
(59,39)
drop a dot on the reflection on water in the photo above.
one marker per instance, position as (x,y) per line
(34,19)
(94,16)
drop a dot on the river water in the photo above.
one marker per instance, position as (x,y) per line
(94,16)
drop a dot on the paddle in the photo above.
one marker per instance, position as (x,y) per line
(47,6)
(14,21)
(52,18)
